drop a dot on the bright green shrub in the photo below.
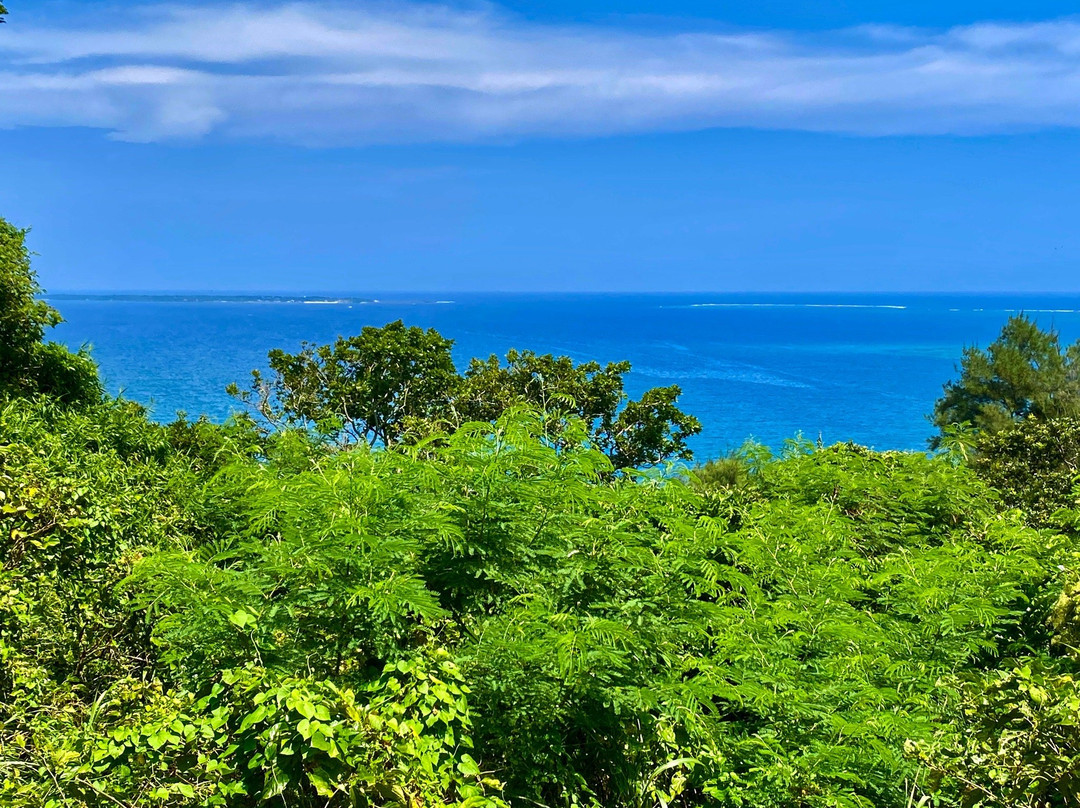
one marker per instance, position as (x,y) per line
(1034,464)
(252,738)
(71,378)
(872,577)
(1013,742)
(210,447)
(624,645)
(84,494)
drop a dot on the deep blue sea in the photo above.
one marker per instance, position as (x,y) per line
(843,367)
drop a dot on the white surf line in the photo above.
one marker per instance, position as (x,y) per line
(795,305)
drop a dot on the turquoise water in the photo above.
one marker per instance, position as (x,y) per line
(846,367)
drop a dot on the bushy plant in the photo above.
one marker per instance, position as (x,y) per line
(29,366)
(1013,741)
(623,643)
(1034,464)
(252,738)
(82,495)
(508,614)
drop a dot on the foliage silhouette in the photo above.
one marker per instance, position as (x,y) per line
(1023,373)
(399,383)
(27,365)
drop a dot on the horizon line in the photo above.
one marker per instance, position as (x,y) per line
(368,294)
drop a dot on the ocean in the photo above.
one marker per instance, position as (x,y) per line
(864,368)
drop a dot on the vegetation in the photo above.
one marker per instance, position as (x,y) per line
(730,471)
(372,388)
(395,383)
(1024,373)
(457,601)
(1034,464)
(27,364)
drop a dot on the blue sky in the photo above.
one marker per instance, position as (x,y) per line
(577,146)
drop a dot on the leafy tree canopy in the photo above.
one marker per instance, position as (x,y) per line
(368,388)
(398,382)
(199,615)
(23,318)
(619,642)
(1024,372)
(632,433)
(28,365)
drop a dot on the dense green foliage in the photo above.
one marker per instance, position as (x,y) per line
(632,433)
(1014,737)
(27,364)
(1034,463)
(462,605)
(612,641)
(396,382)
(1023,373)
(730,471)
(369,388)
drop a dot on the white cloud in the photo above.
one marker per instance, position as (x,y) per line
(317,73)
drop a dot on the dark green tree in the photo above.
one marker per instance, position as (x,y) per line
(23,318)
(631,433)
(1024,373)
(647,430)
(368,388)
(396,382)
(29,366)
(549,382)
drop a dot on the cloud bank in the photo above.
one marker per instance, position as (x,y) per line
(324,74)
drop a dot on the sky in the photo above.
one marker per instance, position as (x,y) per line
(544,146)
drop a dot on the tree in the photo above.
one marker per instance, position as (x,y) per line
(29,366)
(23,318)
(1024,373)
(552,383)
(648,430)
(631,433)
(394,382)
(367,388)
